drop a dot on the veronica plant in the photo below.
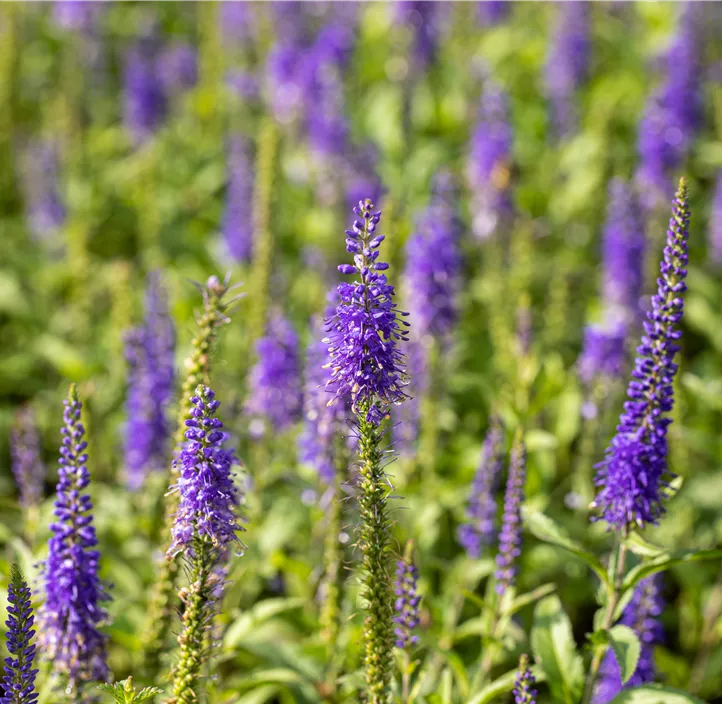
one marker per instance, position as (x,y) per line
(70,618)
(217,301)
(19,679)
(367,366)
(205,527)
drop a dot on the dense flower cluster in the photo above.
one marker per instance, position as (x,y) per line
(237,219)
(366,362)
(208,498)
(275,380)
(623,246)
(489,163)
(72,611)
(632,476)
(642,616)
(27,465)
(322,422)
(524,692)
(510,535)
(672,114)
(479,529)
(567,64)
(407,603)
(19,680)
(150,352)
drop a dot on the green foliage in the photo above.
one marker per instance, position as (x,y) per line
(626,647)
(655,694)
(124,692)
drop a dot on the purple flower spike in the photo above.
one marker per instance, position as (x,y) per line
(407,603)
(150,352)
(623,252)
(479,530)
(178,68)
(489,164)
(524,692)
(366,362)
(237,220)
(433,269)
(72,612)
(322,422)
(41,190)
(603,352)
(632,479)
(426,19)
(19,679)
(78,15)
(510,536)
(642,616)
(275,380)
(567,64)
(208,499)
(27,466)
(145,101)
(715,225)
(492,12)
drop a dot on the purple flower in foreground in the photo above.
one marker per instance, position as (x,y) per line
(27,466)
(510,535)
(623,252)
(632,479)
(407,602)
(715,224)
(642,616)
(322,422)
(150,352)
(567,64)
(72,611)
(366,362)
(479,530)
(237,219)
(489,163)
(275,380)
(603,352)
(523,691)
(19,680)
(208,499)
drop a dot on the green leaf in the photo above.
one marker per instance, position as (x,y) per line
(655,694)
(665,561)
(258,696)
(555,650)
(502,685)
(543,528)
(263,611)
(530,597)
(626,648)
(124,692)
(640,547)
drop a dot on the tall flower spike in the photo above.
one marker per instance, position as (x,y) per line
(567,64)
(27,466)
(72,613)
(623,253)
(19,679)
(479,530)
(603,352)
(642,616)
(274,396)
(237,219)
(489,163)
(150,352)
(205,527)
(407,600)
(365,360)
(632,478)
(523,683)
(510,536)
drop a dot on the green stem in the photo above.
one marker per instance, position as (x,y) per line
(377,589)
(197,599)
(611,607)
